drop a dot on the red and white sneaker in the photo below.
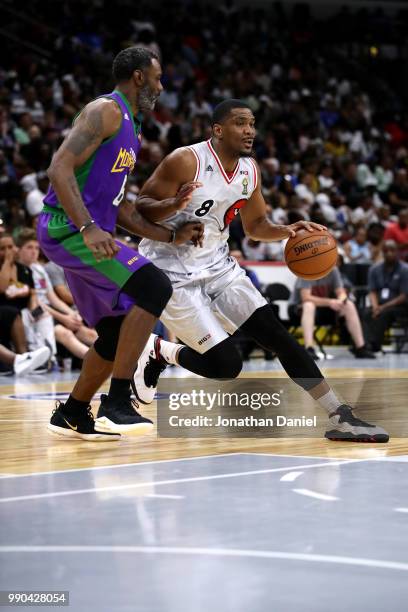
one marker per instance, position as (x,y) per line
(150,365)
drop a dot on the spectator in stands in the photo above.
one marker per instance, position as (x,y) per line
(388,292)
(375,237)
(324,298)
(384,174)
(398,192)
(304,188)
(348,184)
(365,213)
(70,330)
(398,232)
(17,290)
(357,250)
(14,355)
(326,175)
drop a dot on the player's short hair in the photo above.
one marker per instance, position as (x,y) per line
(129,60)
(27,234)
(223,109)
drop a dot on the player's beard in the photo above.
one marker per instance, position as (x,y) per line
(147,99)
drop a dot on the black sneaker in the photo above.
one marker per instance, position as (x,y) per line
(362,353)
(149,367)
(312,353)
(348,428)
(121,416)
(80,426)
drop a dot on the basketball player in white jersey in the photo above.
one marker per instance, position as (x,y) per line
(212,296)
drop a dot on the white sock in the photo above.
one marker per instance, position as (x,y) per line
(169,351)
(329,401)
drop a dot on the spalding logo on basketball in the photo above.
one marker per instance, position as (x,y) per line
(311,255)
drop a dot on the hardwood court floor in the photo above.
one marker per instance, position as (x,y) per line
(27,447)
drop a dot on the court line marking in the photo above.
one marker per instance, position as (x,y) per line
(291,476)
(214,552)
(401,510)
(155,483)
(315,494)
(390,458)
(120,465)
(295,456)
(162,496)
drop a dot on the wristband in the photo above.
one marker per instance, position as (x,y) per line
(86,225)
(172,237)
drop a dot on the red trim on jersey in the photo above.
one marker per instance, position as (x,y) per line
(255,172)
(217,159)
(198,163)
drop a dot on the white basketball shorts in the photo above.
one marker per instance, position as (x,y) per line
(202,313)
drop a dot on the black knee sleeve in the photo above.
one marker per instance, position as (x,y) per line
(223,361)
(151,289)
(269,333)
(108,330)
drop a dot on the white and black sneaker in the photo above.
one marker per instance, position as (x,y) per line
(149,367)
(120,416)
(29,362)
(81,426)
(348,428)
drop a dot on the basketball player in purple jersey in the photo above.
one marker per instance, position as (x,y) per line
(116,290)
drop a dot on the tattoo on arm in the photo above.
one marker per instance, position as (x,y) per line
(73,183)
(86,134)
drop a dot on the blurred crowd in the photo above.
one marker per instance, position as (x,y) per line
(329,96)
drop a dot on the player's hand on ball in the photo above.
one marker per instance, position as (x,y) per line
(304,225)
(192,231)
(185,193)
(100,242)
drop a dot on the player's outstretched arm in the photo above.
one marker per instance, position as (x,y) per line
(170,187)
(257,225)
(99,120)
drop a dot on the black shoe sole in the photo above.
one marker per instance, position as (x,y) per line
(339,436)
(70,434)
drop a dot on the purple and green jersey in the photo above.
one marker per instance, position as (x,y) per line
(96,285)
(102,178)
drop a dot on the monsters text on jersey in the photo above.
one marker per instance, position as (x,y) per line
(125,159)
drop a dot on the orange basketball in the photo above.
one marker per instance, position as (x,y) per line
(311,255)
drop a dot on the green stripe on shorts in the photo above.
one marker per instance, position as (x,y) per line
(72,241)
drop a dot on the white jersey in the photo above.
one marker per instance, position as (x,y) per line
(215,204)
